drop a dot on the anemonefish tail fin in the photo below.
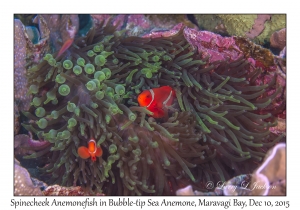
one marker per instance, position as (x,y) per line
(83,152)
(93,158)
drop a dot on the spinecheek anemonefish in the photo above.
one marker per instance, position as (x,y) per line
(71,31)
(92,151)
(157,100)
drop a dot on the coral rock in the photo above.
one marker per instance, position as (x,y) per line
(23,184)
(16,118)
(278,39)
(280,128)
(171,32)
(258,26)
(143,25)
(20,82)
(188,190)
(56,190)
(169,21)
(237,25)
(211,23)
(98,19)
(272,173)
(26,145)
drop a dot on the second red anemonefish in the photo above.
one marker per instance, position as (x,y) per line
(71,31)
(157,100)
(92,151)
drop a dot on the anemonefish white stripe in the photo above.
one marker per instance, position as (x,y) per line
(95,148)
(169,97)
(152,96)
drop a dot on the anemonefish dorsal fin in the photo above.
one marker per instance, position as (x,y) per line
(83,152)
(169,97)
(152,97)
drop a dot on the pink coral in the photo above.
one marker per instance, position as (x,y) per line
(213,45)
(26,145)
(27,142)
(139,20)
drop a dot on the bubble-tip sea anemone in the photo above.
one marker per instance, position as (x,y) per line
(216,127)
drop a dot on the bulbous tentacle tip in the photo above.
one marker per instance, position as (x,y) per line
(40,112)
(89,68)
(42,123)
(80,62)
(60,79)
(64,90)
(77,69)
(91,85)
(67,64)
(107,72)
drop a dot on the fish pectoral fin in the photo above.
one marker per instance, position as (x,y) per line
(158,112)
(83,152)
(99,152)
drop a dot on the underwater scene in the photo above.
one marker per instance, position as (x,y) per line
(149,104)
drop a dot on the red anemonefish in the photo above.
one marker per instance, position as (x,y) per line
(157,100)
(92,151)
(71,31)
